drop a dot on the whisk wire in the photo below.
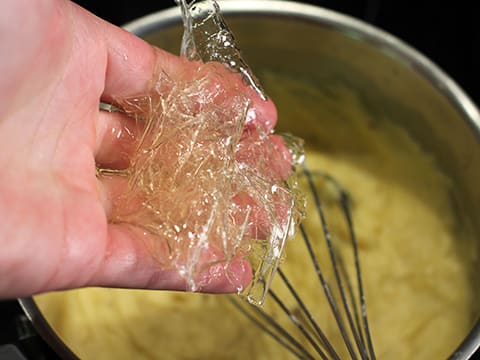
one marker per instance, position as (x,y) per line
(328,293)
(322,337)
(348,216)
(349,311)
(281,335)
(298,324)
(353,299)
(333,259)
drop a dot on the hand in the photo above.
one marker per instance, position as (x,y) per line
(57,62)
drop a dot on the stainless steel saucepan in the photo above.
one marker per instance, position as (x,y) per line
(317,44)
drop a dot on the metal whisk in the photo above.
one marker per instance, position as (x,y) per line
(343,290)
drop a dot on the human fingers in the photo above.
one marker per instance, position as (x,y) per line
(133,67)
(116,139)
(137,258)
(224,87)
(267,155)
(128,262)
(282,160)
(271,159)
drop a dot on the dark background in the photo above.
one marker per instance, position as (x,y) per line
(448,32)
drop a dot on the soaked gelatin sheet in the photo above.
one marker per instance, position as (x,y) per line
(212,187)
(207,37)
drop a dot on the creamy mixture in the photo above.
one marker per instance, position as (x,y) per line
(417,289)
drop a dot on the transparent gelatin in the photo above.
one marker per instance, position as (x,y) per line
(206,37)
(210,182)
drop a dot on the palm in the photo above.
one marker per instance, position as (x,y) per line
(51,203)
(54,231)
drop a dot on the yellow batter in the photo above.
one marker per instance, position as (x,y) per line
(417,288)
